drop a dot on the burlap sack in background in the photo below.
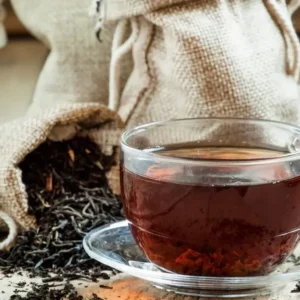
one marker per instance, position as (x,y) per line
(70,96)
(77,68)
(209,58)
(206,58)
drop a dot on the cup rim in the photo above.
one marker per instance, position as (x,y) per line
(213,162)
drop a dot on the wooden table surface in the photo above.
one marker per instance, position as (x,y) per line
(128,288)
(124,288)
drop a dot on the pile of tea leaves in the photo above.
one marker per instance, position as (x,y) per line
(68,193)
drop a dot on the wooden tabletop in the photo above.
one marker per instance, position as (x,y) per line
(123,287)
(128,288)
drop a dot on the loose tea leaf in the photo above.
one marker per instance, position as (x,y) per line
(297,288)
(95,297)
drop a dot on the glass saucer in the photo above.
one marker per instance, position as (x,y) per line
(114,246)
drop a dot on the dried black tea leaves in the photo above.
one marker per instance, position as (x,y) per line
(95,297)
(69,195)
(105,287)
(297,288)
(46,292)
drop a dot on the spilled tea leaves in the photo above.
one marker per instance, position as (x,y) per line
(69,195)
(46,292)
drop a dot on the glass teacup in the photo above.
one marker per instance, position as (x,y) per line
(213,197)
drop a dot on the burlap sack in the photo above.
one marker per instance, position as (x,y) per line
(71,95)
(208,58)
(77,68)
(19,138)
(205,58)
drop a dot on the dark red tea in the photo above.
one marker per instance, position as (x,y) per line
(212,230)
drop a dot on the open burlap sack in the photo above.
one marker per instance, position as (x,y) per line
(71,95)
(19,138)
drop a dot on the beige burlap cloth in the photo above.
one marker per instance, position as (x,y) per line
(190,59)
(70,96)
(208,58)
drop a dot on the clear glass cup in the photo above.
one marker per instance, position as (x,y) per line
(213,197)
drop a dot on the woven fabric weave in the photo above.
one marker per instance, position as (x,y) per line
(191,59)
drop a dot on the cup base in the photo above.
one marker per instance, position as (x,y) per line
(221,294)
(114,246)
